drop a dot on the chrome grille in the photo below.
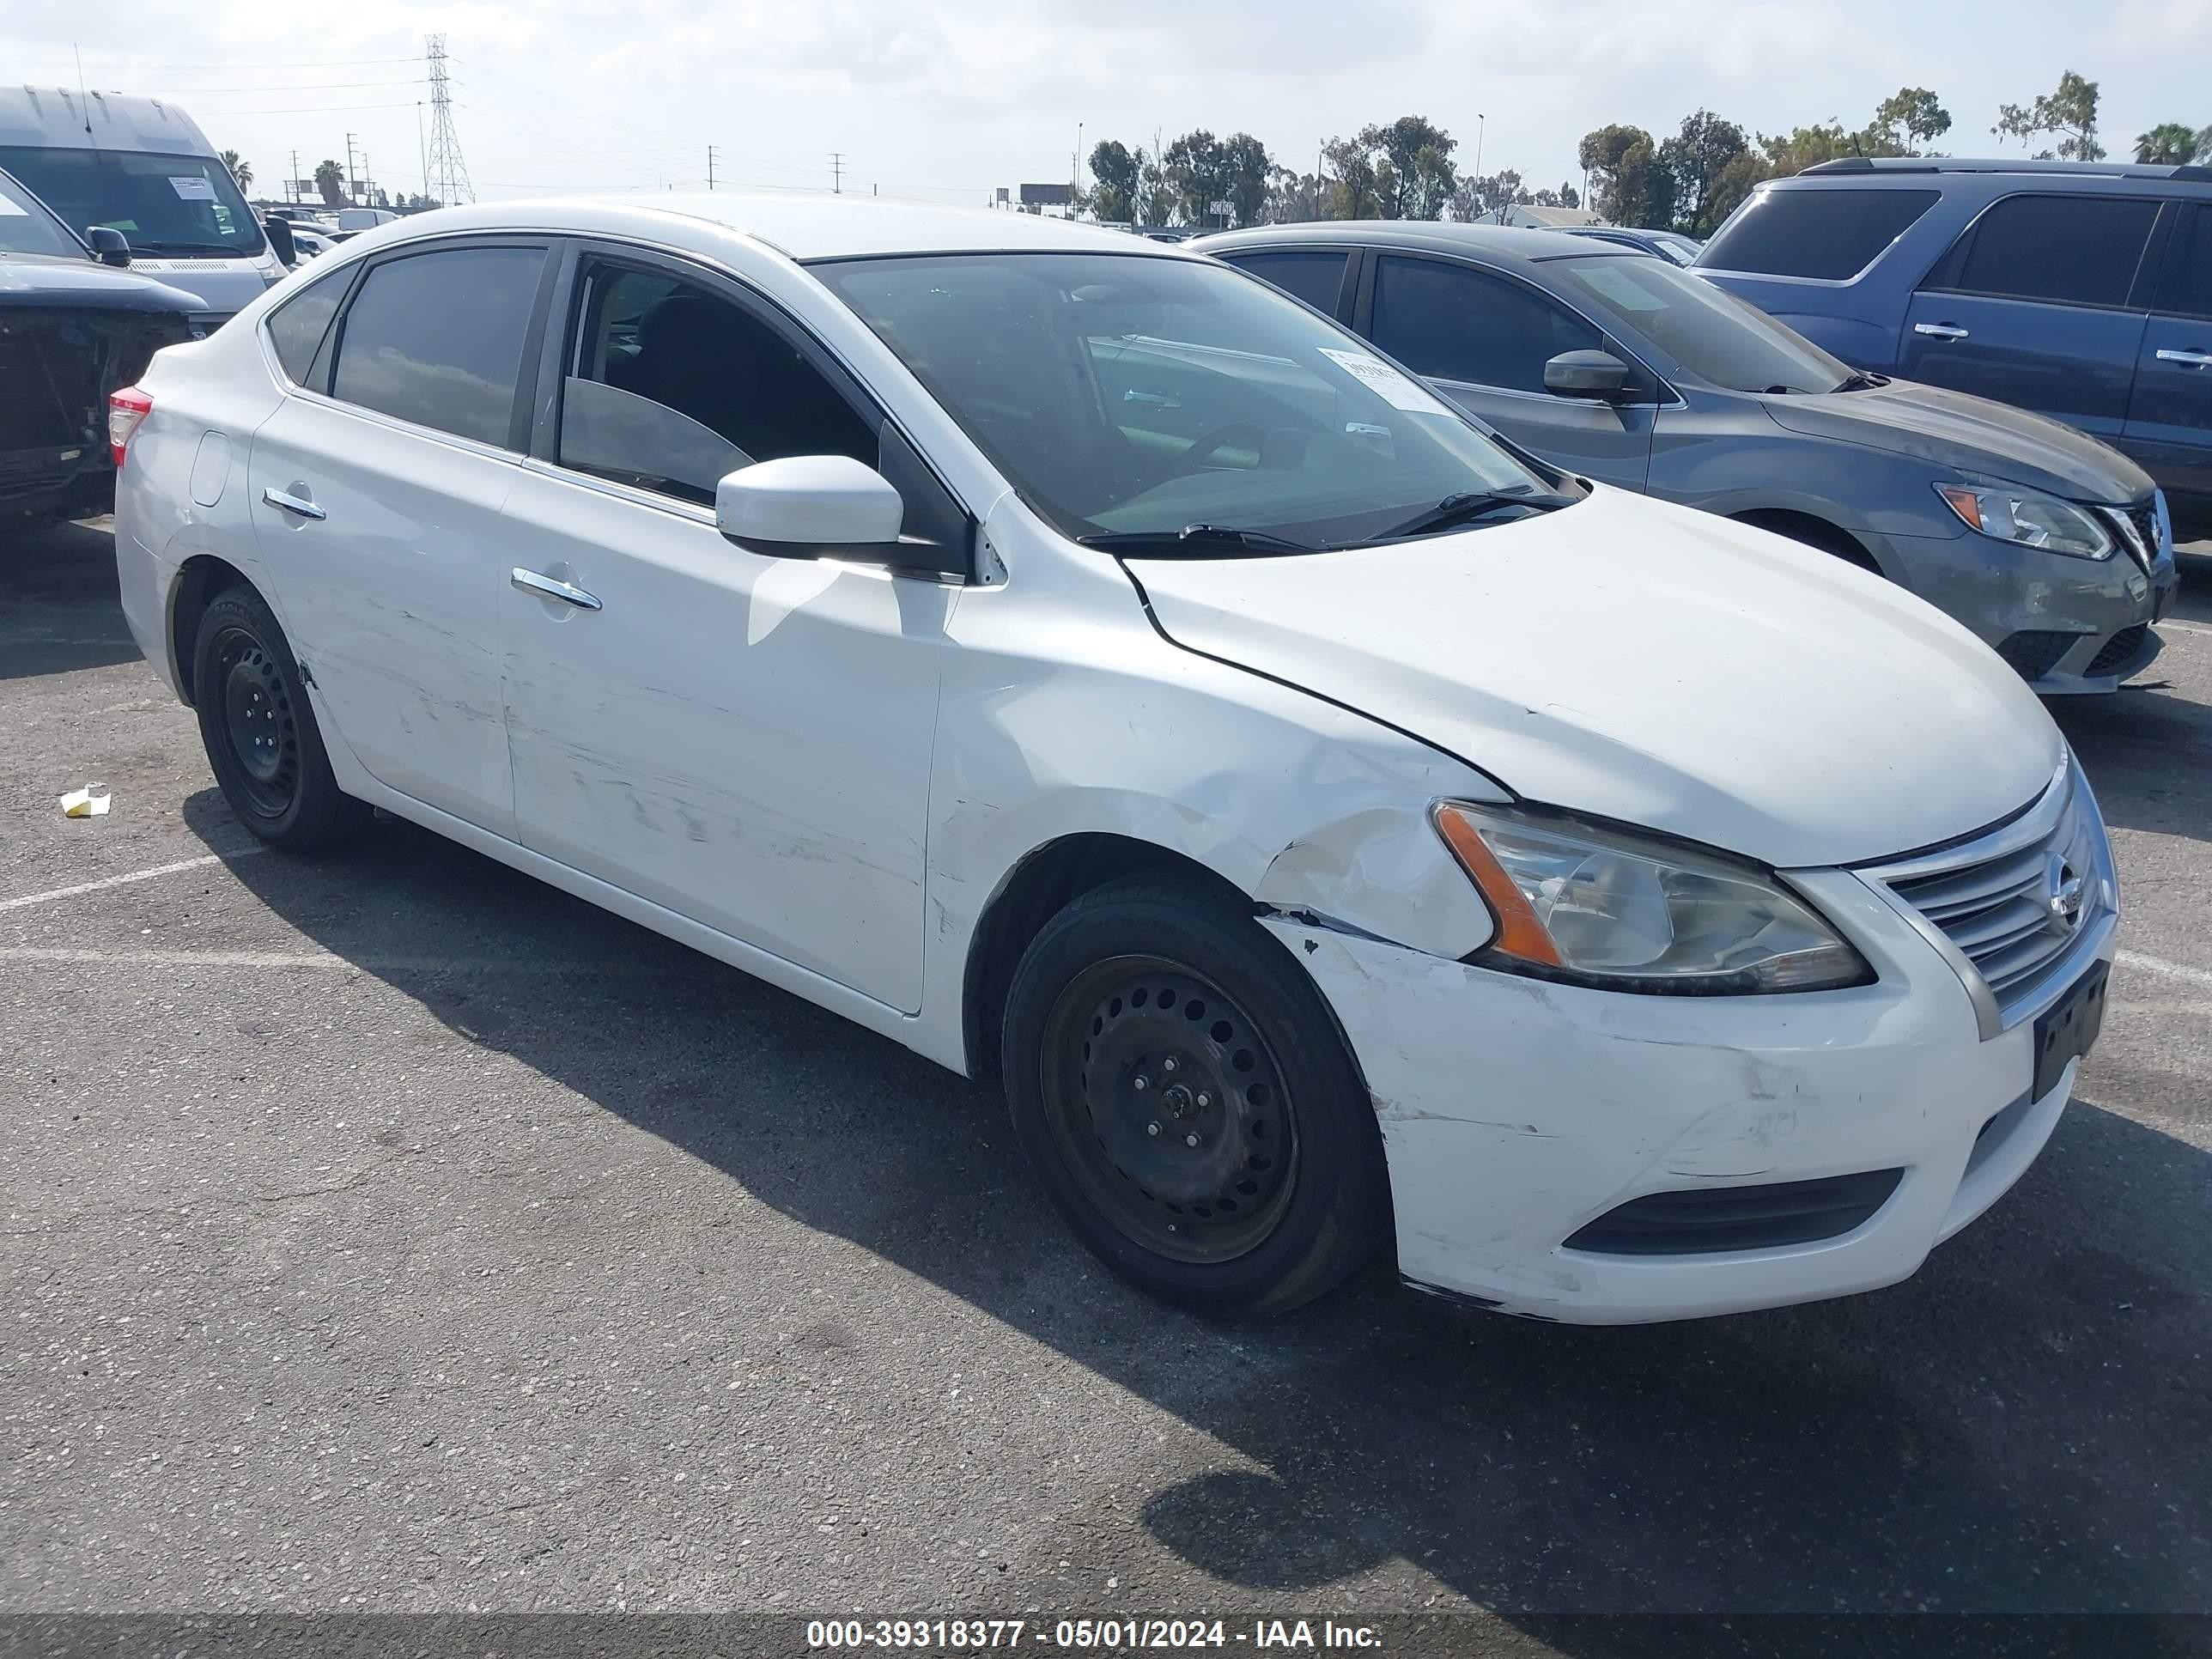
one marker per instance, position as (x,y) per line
(2017,902)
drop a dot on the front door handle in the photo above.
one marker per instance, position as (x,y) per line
(1939,330)
(2196,359)
(551,588)
(291,503)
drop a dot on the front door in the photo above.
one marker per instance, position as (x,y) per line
(2035,306)
(376,498)
(741,739)
(1482,339)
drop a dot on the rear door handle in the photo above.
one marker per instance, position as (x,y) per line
(2197,359)
(291,503)
(1939,330)
(549,587)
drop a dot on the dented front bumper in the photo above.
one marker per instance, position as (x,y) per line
(1515,1112)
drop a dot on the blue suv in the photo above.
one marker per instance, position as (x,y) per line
(2083,291)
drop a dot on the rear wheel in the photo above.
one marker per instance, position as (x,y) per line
(1184,1094)
(259,730)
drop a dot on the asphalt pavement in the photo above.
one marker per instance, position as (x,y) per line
(386,1231)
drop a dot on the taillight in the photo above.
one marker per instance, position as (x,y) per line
(126,410)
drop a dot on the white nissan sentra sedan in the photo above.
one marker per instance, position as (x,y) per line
(1082,663)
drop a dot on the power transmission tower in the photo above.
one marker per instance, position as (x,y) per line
(449,175)
(837,172)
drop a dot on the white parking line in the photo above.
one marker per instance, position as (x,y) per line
(2160,965)
(534,967)
(102,885)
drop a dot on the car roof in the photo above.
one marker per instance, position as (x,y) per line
(802,225)
(1415,235)
(62,118)
(1864,167)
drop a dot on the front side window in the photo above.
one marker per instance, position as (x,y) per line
(436,338)
(1455,324)
(296,327)
(669,387)
(26,228)
(182,205)
(1129,394)
(1710,335)
(2074,250)
(1316,278)
(1833,235)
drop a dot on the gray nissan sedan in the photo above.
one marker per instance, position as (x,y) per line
(2052,547)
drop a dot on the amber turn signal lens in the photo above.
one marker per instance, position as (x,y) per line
(1519,933)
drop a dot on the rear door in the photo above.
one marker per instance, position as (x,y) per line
(376,491)
(2038,304)
(1482,338)
(2169,428)
(1322,277)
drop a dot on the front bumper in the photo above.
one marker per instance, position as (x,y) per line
(1515,1112)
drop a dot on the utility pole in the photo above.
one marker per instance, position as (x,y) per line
(837,173)
(293,183)
(421,149)
(1480,126)
(353,187)
(710,167)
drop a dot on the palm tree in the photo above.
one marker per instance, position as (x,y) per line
(241,170)
(329,183)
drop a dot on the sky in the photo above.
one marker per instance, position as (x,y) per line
(943,102)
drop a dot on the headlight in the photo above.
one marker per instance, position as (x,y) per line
(2032,521)
(1612,909)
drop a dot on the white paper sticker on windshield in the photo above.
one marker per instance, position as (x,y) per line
(8,208)
(194,190)
(1397,390)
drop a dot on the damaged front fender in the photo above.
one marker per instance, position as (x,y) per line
(1383,872)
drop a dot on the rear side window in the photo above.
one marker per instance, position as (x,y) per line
(2189,267)
(1829,234)
(2074,250)
(296,327)
(436,338)
(1316,278)
(1455,324)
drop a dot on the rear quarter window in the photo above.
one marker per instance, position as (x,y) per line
(296,327)
(1832,234)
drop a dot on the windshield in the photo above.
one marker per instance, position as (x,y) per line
(1127,394)
(1711,335)
(26,227)
(164,204)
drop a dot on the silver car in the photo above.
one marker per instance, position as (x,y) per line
(2054,548)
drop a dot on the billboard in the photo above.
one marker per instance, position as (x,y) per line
(1047,195)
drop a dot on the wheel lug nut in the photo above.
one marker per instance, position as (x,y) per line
(1190,1140)
(1170,1063)
(1205,1100)
(1151,1128)
(1142,1082)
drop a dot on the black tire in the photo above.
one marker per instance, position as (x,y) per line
(259,730)
(1285,1192)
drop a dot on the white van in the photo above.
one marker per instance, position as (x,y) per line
(140,166)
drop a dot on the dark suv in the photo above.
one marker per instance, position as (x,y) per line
(2080,291)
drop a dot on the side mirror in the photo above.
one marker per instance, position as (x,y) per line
(279,233)
(805,506)
(109,246)
(1586,375)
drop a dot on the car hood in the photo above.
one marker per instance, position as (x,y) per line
(30,279)
(1644,662)
(1955,432)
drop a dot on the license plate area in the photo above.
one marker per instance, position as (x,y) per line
(2068,1028)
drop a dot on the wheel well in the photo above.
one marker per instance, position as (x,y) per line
(202,577)
(1813,531)
(1041,884)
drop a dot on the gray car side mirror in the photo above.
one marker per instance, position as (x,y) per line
(109,246)
(1586,375)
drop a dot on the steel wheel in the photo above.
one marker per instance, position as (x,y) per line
(1169,1109)
(258,724)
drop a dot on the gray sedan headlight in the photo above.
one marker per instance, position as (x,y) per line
(2032,521)
(1612,909)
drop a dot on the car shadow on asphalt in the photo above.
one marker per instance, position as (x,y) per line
(2023,1427)
(59,610)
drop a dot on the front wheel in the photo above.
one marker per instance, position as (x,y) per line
(1182,1092)
(260,732)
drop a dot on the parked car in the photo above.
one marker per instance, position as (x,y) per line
(2083,291)
(2050,547)
(140,169)
(1667,244)
(71,331)
(1085,664)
